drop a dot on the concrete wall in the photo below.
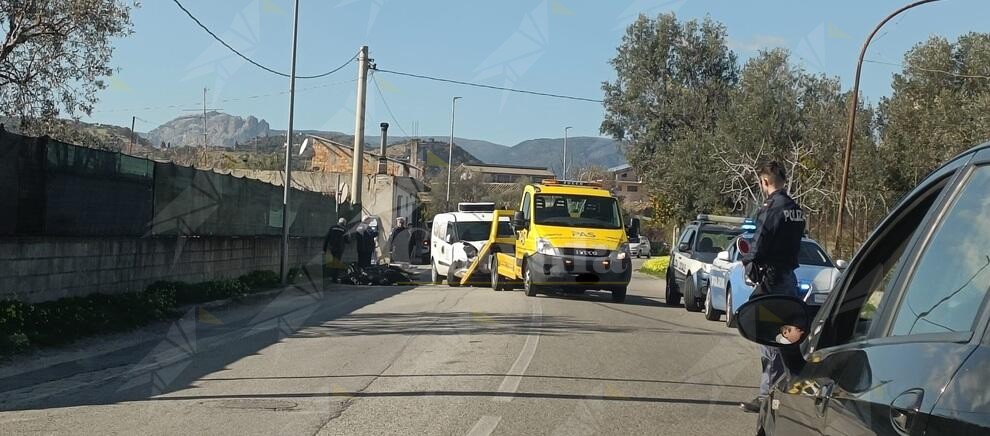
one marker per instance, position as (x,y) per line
(42,269)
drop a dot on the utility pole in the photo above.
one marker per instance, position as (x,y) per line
(357,172)
(205,143)
(131,148)
(450,149)
(564,170)
(851,124)
(287,186)
(204,123)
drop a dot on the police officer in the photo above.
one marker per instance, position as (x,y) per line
(771,261)
(334,245)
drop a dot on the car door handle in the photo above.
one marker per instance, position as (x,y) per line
(904,409)
(823,396)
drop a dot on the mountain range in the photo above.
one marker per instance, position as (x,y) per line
(228,130)
(221,130)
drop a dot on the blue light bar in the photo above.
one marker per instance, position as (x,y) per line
(748,224)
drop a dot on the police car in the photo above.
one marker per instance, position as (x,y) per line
(692,257)
(729,288)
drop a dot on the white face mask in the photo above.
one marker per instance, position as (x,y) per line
(782,340)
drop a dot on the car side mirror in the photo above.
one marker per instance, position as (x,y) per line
(519,220)
(774,320)
(448,239)
(723,256)
(841,264)
(684,247)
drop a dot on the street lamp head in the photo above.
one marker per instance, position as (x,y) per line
(456,98)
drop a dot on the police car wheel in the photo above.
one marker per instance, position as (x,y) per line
(711,313)
(671,296)
(691,296)
(730,318)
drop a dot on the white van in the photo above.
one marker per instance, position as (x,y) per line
(457,238)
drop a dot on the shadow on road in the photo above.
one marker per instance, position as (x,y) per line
(193,346)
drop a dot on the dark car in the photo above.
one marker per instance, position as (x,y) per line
(901,346)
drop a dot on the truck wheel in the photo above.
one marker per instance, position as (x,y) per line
(434,274)
(498,282)
(730,316)
(671,296)
(619,294)
(711,313)
(691,295)
(531,288)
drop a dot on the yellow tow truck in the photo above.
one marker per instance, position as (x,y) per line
(568,236)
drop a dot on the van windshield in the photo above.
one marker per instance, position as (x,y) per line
(479,230)
(576,211)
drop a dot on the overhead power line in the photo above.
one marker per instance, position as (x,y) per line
(390,113)
(225,100)
(252,61)
(482,85)
(930,70)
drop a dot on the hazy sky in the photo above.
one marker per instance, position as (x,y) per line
(557,46)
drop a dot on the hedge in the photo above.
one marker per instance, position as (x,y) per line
(24,325)
(656,266)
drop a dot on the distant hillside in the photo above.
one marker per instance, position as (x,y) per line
(227,130)
(222,130)
(581,151)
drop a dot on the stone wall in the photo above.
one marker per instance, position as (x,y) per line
(48,268)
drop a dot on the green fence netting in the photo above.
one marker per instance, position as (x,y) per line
(58,189)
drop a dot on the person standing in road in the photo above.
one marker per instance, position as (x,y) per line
(400,226)
(771,261)
(364,236)
(334,246)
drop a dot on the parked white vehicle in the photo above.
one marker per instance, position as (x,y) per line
(457,238)
(639,246)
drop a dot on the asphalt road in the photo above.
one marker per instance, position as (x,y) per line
(405,360)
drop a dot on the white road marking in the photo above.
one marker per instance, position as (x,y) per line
(485,426)
(511,382)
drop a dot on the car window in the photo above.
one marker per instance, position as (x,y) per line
(473,230)
(687,237)
(525,206)
(576,211)
(450,233)
(811,254)
(874,272)
(504,228)
(950,281)
(714,239)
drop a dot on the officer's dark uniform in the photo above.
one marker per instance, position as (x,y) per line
(334,244)
(771,262)
(774,254)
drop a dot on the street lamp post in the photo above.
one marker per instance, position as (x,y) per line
(563,171)
(450,149)
(284,261)
(847,155)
